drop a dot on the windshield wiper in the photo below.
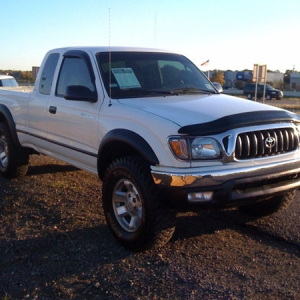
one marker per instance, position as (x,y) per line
(191,89)
(163,92)
(147,92)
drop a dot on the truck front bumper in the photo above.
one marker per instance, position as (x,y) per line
(227,187)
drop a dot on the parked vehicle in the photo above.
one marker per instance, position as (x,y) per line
(159,135)
(7,81)
(270,92)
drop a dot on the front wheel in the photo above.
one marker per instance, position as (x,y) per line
(270,206)
(136,216)
(249,96)
(13,159)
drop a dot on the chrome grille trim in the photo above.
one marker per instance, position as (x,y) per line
(253,144)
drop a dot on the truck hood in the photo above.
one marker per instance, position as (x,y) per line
(189,109)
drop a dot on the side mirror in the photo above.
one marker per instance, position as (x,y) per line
(218,86)
(80,93)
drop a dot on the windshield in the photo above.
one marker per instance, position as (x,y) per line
(147,74)
(268,87)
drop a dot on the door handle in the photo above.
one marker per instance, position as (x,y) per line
(52,110)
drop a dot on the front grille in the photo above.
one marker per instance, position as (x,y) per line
(254,144)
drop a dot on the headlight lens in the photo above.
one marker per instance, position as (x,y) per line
(205,148)
(195,148)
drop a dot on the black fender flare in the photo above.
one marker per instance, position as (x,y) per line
(125,137)
(5,115)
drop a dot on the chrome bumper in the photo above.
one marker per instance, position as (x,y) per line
(219,176)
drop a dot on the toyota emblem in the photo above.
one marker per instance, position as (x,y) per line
(270,142)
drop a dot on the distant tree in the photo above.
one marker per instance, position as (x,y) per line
(218,76)
(27,76)
(14,73)
(279,85)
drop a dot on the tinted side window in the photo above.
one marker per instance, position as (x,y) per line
(74,71)
(48,73)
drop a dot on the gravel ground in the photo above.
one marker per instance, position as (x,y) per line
(54,244)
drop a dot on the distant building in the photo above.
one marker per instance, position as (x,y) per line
(244,75)
(35,72)
(274,76)
(231,77)
(295,81)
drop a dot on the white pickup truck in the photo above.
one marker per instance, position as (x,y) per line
(159,135)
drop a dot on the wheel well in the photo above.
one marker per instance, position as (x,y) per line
(111,152)
(3,119)
(7,119)
(119,143)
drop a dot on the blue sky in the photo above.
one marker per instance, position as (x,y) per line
(232,34)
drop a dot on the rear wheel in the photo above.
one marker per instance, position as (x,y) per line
(136,216)
(270,206)
(268,97)
(13,159)
(249,96)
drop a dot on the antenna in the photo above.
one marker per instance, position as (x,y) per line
(155,30)
(109,60)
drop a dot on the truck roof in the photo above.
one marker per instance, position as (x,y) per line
(96,49)
(6,77)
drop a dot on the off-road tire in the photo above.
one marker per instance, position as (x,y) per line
(14,160)
(268,207)
(130,198)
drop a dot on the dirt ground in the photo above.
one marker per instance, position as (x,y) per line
(54,244)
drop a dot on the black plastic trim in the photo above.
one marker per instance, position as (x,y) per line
(233,193)
(10,122)
(132,139)
(239,120)
(60,144)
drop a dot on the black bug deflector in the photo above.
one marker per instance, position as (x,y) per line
(238,121)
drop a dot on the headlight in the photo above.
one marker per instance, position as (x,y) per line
(195,148)
(205,148)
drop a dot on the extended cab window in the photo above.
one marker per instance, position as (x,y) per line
(75,71)
(48,73)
